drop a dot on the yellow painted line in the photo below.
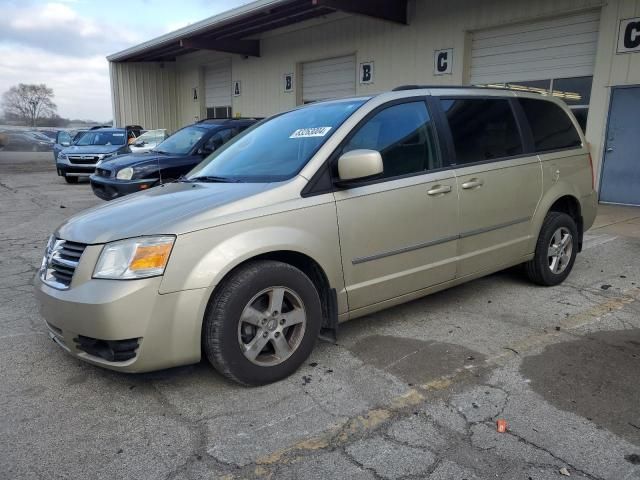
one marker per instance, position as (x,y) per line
(372,419)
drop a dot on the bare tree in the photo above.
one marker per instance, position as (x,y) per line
(29,102)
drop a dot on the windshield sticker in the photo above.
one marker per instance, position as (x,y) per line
(310,132)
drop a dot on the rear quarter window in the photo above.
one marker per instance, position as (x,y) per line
(551,127)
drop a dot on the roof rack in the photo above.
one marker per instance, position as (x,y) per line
(402,88)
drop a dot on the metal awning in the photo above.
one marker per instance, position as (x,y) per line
(235,31)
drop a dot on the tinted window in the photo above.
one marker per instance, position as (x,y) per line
(551,127)
(183,141)
(403,135)
(218,139)
(482,129)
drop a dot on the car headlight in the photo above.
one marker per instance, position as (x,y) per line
(125,174)
(134,258)
(62,156)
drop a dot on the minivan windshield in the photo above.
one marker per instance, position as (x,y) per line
(102,138)
(276,149)
(181,142)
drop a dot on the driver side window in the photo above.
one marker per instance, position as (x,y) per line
(218,139)
(404,136)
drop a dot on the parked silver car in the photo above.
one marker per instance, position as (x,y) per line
(319,215)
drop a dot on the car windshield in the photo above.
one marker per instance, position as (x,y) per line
(102,138)
(181,142)
(278,148)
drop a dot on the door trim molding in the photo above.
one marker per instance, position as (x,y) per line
(411,248)
(471,233)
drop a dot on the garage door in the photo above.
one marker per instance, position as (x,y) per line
(331,78)
(561,47)
(217,82)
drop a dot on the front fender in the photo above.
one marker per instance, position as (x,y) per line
(201,259)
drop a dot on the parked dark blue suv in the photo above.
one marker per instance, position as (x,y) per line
(176,156)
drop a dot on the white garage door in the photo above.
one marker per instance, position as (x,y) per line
(561,47)
(217,83)
(331,78)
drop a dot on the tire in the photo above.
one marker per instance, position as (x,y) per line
(243,313)
(70,179)
(549,270)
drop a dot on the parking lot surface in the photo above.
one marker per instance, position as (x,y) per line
(411,392)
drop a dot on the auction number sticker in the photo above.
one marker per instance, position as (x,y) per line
(310,132)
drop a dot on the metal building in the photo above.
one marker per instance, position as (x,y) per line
(272,55)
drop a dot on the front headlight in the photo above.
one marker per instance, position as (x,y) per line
(134,258)
(62,156)
(125,174)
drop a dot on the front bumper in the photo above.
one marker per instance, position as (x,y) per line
(67,169)
(113,313)
(109,188)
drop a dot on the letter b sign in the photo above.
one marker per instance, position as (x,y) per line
(443,62)
(366,73)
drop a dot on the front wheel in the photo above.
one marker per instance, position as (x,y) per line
(262,323)
(556,250)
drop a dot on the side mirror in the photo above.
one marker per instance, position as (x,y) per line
(359,165)
(140,143)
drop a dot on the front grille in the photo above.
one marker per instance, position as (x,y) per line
(110,350)
(84,159)
(60,263)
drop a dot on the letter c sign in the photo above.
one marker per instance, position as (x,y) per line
(443,62)
(629,36)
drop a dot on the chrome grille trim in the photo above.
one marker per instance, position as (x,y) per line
(60,262)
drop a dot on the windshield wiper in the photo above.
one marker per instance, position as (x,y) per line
(209,179)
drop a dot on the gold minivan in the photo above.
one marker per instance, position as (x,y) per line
(315,216)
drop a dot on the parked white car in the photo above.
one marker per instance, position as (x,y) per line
(148,140)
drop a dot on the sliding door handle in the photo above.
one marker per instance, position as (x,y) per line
(473,183)
(439,190)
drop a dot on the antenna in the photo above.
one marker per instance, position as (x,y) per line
(159,170)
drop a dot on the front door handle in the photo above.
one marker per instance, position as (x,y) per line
(439,190)
(473,183)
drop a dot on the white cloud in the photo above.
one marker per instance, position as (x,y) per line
(81,85)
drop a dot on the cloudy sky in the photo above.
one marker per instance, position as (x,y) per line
(64,43)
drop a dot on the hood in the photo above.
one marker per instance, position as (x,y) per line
(168,209)
(84,149)
(136,159)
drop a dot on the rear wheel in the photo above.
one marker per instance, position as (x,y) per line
(70,179)
(556,250)
(262,323)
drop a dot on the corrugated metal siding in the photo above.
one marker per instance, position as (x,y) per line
(402,54)
(611,69)
(331,78)
(555,48)
(144,94)
(217,81)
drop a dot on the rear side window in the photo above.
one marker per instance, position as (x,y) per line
(404,136)
(482,129)
(551,127)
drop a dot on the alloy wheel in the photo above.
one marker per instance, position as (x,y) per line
(272,326)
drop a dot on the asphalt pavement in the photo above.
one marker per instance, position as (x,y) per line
(411,392)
